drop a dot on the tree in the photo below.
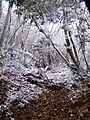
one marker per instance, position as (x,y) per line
(11,2)
(41,11)
(0,8)
(5,24)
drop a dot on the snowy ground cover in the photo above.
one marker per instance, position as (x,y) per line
(19,87)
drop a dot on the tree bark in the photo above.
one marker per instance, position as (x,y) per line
(69,49)
(75,51)
(5,26)
(0,8)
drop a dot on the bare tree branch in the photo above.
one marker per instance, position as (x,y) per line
(48,37)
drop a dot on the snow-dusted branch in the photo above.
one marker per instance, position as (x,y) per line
(48,37)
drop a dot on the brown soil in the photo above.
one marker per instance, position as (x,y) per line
(63,104)
(56,105)
(3,89)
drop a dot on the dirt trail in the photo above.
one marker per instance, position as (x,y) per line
(55,105)
(63,104)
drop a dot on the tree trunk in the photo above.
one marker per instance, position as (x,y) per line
(74,48)
(5,26)
(0,8)
(69,49)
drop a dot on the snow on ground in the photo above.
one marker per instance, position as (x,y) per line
(60,74)
(14,69)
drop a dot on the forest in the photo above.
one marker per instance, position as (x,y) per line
(44,60)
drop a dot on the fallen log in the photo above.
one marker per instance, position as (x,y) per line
(38,76)
(46,85)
